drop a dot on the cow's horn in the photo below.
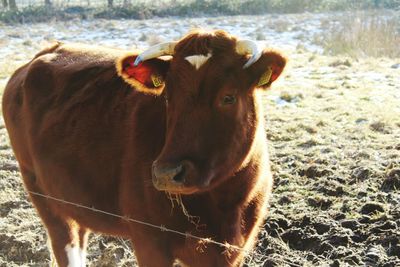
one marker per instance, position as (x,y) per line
(156,51)
(244,47)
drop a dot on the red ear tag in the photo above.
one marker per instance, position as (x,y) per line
(265,78)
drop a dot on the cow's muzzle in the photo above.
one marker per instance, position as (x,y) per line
(174,178)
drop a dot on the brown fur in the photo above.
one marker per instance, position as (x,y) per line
(80,133)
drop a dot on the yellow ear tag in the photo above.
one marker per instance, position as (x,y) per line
(157,80)
(265,77)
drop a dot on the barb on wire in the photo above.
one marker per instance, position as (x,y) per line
(162,228)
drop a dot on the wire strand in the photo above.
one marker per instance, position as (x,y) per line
(159,227)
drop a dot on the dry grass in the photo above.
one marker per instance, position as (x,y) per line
(8,68)
(362,34)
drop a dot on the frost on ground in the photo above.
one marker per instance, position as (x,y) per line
(334,130)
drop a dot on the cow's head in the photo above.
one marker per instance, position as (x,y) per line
(210,88)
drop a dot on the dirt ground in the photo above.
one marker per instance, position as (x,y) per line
(333,125)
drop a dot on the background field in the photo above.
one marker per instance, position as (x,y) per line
(24,11)
(333,123)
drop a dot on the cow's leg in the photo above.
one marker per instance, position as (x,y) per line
(69,243)
(64,234)
(83,242)
(151,249)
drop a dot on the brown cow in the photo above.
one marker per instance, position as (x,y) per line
(124,132)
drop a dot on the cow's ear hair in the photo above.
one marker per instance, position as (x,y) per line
(266,69)
(147,77)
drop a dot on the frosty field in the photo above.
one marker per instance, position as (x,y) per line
(333,124)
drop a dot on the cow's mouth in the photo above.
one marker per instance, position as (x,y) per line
(179,178)
(176,190)
(173,187)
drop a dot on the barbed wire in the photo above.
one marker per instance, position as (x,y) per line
(162,228)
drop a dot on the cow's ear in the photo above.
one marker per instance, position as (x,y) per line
(147,77)
(266,69)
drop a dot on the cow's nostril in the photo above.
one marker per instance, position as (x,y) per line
(180,175)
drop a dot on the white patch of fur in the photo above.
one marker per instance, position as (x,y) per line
(73,255)
(179,263)
(198,60)
(82,253)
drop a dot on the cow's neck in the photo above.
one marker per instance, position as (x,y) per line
(237,190)
(229,199)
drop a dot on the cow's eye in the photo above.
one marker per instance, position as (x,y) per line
(229,100)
